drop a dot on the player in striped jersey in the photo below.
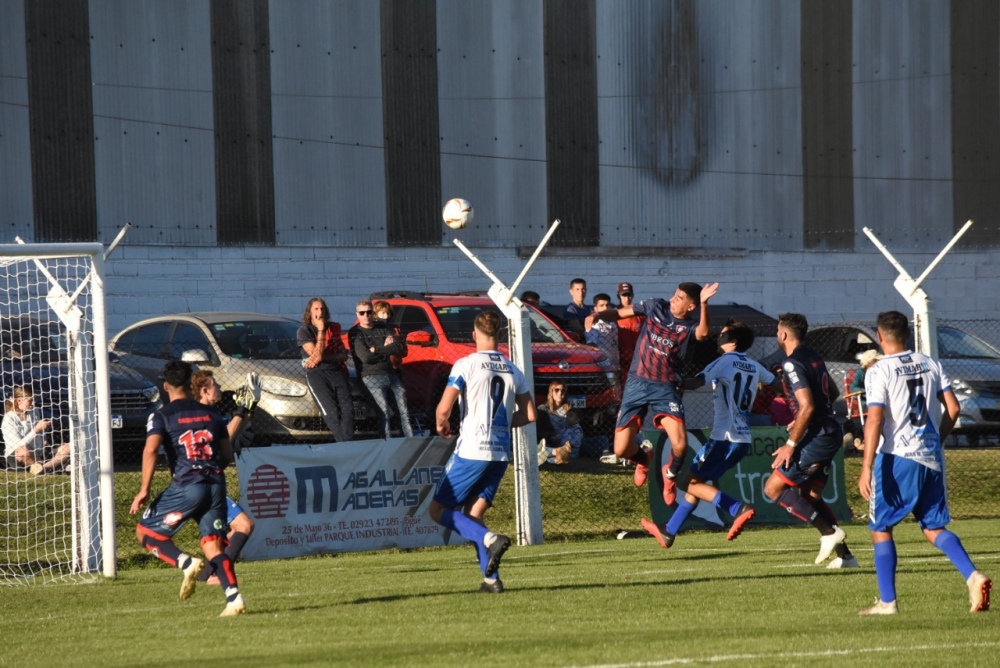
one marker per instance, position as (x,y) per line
(493,397)
(734,377)
(654,378)
(903,467)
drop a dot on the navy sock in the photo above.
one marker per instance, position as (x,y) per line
(726,502)
(684,508)
(674,464)
(949,543)
(640,457)
(885,570)
(236,543)
(463,525)
(227,576)
(165,550)
(792,501)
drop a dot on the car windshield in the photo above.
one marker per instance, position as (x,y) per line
(956,344)
(457,322)
(257,339)
(38,342)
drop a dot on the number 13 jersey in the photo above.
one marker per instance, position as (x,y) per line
(191,432)
(734,378)
(908,386)
(487,384)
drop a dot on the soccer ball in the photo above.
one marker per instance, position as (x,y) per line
(457,213)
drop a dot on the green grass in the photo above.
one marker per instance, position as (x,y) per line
(758,601)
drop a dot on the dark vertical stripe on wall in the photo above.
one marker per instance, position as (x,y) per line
(61,118)
(571,137)
(241,96)
(975,119)
(827,138)
(410,117)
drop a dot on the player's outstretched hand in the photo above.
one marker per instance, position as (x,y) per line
(709,291)
(783,456)
(247,396)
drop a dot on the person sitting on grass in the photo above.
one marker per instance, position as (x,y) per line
(561,429)
(25,443)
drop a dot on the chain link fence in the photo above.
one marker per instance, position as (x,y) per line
(586,491)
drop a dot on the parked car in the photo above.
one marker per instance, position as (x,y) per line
(972,364)
(33,352)
(232,344)
(438,331)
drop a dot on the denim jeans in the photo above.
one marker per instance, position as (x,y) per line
(380,387)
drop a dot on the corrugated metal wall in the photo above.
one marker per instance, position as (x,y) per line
(757,124)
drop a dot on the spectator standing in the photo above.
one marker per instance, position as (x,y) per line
(373,345)
(903,467)
(324,357)
(578,309)
(531,297)
(25,443)
(628,330)
(601,333)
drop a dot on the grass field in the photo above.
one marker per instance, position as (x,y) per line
(757,601)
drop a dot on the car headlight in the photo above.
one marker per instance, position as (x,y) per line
(960,387)
(151,393)
(282,386)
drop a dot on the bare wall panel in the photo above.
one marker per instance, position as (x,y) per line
(16,217)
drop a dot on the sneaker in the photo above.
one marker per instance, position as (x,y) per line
(495,587)
(191,574)
(881,608)
(827,544)
(669,489)
(543,452)
(844,562)
(563,454)
(36,469)
(642,470)
(609,457)
(664,539)
(979,592)
(234,607)
(495,551)
(743,515)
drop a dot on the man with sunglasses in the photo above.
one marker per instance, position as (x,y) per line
(372,346)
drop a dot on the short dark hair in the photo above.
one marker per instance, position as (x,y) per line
(894,325)
(738,333)
(602,296)
(530,296)
(692,290)
(488,322)
(795,322)
(177,373)
(307,316)
(578,280)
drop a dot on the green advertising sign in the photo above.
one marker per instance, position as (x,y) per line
(745,482)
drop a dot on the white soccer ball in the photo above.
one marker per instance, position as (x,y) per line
(457,213)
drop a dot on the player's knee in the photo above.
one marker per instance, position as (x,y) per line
(773,488)
(242,523)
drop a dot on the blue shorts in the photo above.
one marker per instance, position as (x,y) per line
(233,510)
(811,461)
(204,502)
(640,395)
(717,457)
(901,486)
(464,479)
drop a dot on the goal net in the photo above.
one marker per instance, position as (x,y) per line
(56,482)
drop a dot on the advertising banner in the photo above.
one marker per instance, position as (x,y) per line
(342,497)
(745,482)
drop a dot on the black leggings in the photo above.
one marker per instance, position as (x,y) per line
(329,388)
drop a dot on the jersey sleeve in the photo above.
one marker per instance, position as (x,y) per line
(875,386)
(764,374)
(156,425)
(795,375)
(644,307)
(520,382)
(457,375)
(945,380)
(711,372)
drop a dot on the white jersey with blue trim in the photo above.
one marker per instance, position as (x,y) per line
(908,386)
(734,378)
(487,384)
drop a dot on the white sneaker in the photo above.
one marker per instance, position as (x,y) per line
(191,574)
(543,452)
(979,592)
(234,607)
(827,544)
(881,608)
(850,562)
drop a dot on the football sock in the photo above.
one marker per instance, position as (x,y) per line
(640,457)
(885,570)
(482,555)
(227,576)
(684,508)
(798,507)
(842,550)
(165,550)
(236,543)
(464,526)
(674,464)
(726,502)
(826,512)
(949,543)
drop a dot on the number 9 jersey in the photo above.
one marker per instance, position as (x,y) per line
(487,384)
(908,386)
(190,433)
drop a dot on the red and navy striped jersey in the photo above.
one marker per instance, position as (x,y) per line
(191,432)
(663,339)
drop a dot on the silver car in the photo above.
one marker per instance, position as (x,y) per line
(232,344)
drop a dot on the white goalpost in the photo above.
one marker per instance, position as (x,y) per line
(57,525)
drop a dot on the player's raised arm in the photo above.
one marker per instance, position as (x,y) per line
(705,324)
(614,315)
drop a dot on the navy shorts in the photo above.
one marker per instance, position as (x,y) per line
(717,457)
(901,486)
(464,479)
(204,502)
(811,461)
(641,395)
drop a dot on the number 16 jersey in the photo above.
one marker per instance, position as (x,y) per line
(734,378)
(908,386)
(191,432)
